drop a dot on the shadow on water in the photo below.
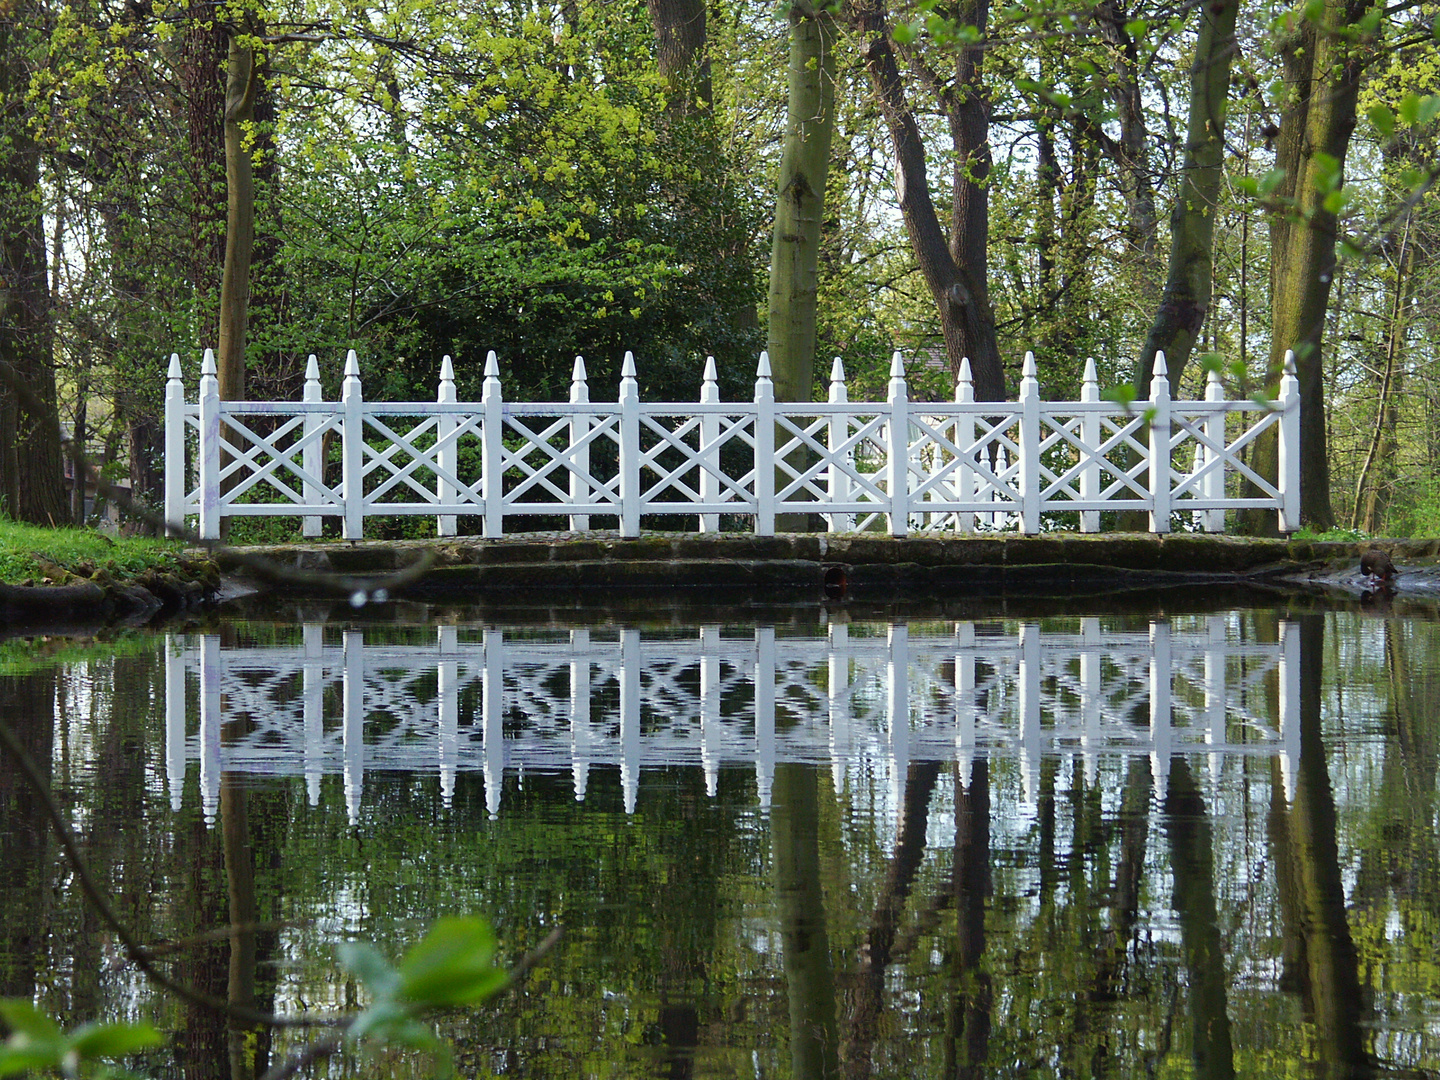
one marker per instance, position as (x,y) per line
(827,840)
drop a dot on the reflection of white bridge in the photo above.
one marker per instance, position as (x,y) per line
(569,700)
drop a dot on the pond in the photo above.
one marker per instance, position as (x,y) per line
(805,842)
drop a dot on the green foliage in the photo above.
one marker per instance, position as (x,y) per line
(37,1044)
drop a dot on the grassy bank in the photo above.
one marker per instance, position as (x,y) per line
(37,556)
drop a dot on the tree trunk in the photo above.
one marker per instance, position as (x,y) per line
(1130,153)
(1186,298)
(680,53)
(202,66)
(800,204)
(954,270)
(1372,488)
(1315,134)
(242,78)
(33,480)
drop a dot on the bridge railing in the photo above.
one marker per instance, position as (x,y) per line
(900,465)
(871,698)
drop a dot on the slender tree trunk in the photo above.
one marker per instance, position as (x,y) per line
(800,204)
(33,478)
(1302,261)
(1380,457)
(1130,154)
(1193,863)
(968,1020)
(809,973)
(242,81)
(1186,298)
(954,268)
(202,78)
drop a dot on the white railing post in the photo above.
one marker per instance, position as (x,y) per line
(897,709)
(629,448)
(838,474)
(965,480)
(313,708)
(352,722)
(630,689)
(175,720)
(1213,520)
(581,737)
(211,720)
(579,447)
(1289,471)
(838,701)
(709,456)
(492,450)
(764,714)
(446,453)
(711,735)
(1161,676)
(897,452)
(1289,678)
(1090,439)
(1030,680)
(1029,448)
(966,712)
(352,440)
(209,449)
(492,719)
(1092,689)
(1160,447)
(312,458)
(764,449)
(174,450)
(447,689)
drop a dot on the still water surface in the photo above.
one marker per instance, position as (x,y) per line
(1116,845)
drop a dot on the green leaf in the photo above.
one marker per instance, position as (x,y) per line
(1246,185)
(1136,28)
(1335,201)
(365,962)
(452,965)
(1382,118)
(904,33)
(1211,362)
(24,1019)
(1410,109)
(1271,181)
(1429,108)
(113,1040)
(32,1058)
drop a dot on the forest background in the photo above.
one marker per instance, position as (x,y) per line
(1221,181)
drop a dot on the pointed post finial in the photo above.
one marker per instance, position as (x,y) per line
(207,363)
(352,365)
(762,369)
(1030,371)
(1160,368)
(447,369)
(1090,376)
(897,365)
(711,374)
(312,369)
(627,368)
(1290,362)
(174,372)
(837,370)
(492,365)
(578,373)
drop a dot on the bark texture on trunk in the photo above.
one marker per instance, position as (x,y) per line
(1185,301)
(680,52)
(800,204)
(1315,133)
(242,80)
(31,468)
(954,267)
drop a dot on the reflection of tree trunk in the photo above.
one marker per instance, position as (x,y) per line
(240,877)
(201,1046)
(1192,863)
(967,1026)
(866,995)
(27,706)
(1332,967)
(1114,945)
(809,977)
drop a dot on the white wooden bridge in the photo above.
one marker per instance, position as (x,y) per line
(866,697)
(898,464)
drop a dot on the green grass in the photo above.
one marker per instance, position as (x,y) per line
(34,554)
